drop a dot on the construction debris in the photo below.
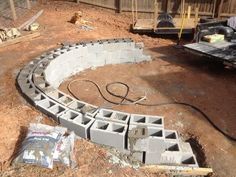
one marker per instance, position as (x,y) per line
(33,27)
(30,21)
(20,39)
(9,33)
(86,27)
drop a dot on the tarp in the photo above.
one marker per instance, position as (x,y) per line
(232,22)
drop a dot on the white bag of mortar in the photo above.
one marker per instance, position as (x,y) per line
(39,145)
(64,151)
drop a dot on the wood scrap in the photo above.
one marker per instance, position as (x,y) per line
(177,170)
(20,39)
(31,20)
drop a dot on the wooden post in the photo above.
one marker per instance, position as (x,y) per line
(189,12)
(214,9)
(196,15)
(167,6)
(132,4)
(13,10)
(182,8)
(155,15)
(120,6)
(136,9)
(28,4)
(220,8)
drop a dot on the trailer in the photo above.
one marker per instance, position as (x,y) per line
(164,23)
(223,51)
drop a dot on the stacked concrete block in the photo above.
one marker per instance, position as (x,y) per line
(113,116)
(152,139)
(77,122)
(147,120)
(83,107)
(60,97)
(108,133)
(50,107)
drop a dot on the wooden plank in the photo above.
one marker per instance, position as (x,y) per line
(196,16)
(220,8)
(189,12)
(28,4)
(155,15)
(133,12)
(99,4)
(120,5)
(20,39)
(31,20)
(177,170)
(214,9)
(13,10)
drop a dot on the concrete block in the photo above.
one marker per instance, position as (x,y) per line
(171,155)
(152,158)
(171,135)
(146,120)
(113,116)
(108,133)
(50,108)
(189,160)
(95,48)
(77,122)
(29,90)
(139,45)
(23,75)
(185,147)
(150,139)
(39,72)
(83,107)
(60,97)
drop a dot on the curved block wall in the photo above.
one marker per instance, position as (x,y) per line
(141,136)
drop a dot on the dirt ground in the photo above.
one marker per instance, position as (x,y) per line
(172,75)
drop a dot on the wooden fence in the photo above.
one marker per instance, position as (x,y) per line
(210,8)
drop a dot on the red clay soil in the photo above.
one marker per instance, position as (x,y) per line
(172,75)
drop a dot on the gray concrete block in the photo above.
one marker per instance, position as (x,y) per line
(83,107)
(77,122)
(171,155)
(95,47)
(146,120)
(189,160)
(61,97)
(185,147)
(152,140)
(171,135)
(108,133)
(50,108)
(113,116)
(152,158)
